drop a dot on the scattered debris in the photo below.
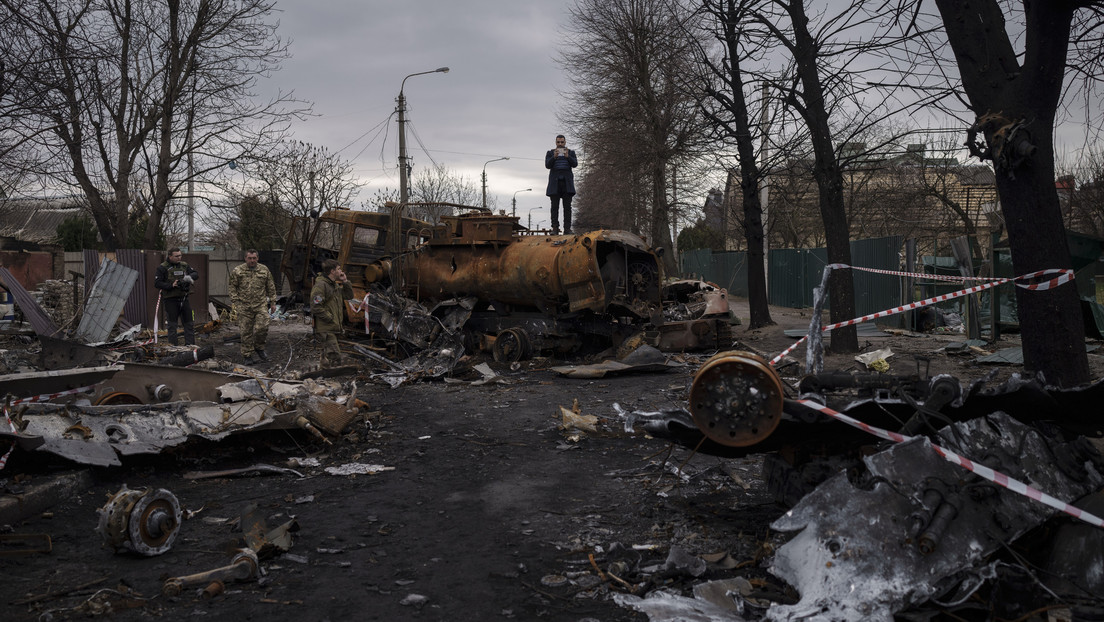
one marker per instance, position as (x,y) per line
(644,359)
(243,567)
(16,544)
(919,527)
(575,424)
(256,469)
(260,539)
(355,468)
(143,521)
(876,359)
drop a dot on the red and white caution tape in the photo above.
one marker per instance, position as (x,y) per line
(49,396)
(157,314)
(26,400)
(997,478)
(1027,281)
(4,458)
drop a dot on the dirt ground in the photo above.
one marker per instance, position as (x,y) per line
(486,510)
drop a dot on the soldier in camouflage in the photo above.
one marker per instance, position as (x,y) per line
(331,290)
(253,295)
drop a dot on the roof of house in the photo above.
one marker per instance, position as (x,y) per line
(37,220)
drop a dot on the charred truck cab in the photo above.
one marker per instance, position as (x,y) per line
(355,239)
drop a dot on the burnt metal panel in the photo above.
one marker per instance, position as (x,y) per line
(135,308)
(41,322)
(91,260)
(31,384)
(109,294)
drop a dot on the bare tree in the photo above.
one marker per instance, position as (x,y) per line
(301,177)
(437,186)
(626,59)
(725,105)
(1014,95)
(824,86)
(127,90)
(1084,209)
(295,179)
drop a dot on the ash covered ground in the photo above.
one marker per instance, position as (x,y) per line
(485,510)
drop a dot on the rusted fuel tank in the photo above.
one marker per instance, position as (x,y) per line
(482,255)
(736,399)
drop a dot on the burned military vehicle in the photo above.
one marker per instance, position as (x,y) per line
(525,291)
(356,239)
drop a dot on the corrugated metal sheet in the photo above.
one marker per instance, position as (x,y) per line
(37,220)
(112,287)
(41,323)
(134,311)
(878,292)
(91,268)
(788,280)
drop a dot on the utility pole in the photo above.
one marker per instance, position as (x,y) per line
(764,188)
(403,171)
(513,211)
(404,167)
(485,178)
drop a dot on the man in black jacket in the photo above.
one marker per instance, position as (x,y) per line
(175,278)
(561,182)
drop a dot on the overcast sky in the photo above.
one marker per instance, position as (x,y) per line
(500,97)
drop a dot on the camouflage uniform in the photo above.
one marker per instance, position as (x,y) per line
(252,292)
(328,310)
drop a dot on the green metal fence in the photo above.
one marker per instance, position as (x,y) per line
(793,273)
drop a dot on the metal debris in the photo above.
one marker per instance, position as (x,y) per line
(243,567)
(127,430)
(644,359)
(17,544)
(105,301)
(256,469)
(143,521)
(356,468)
(262,540)
(921,523)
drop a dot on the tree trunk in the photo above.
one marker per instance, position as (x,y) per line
(750,177)
(829,179)
(661,220)
(1016,105)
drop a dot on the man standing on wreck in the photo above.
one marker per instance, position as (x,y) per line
(561,182)
(331,290)
(174,278)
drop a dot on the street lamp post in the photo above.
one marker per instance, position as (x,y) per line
(485,178)
(514,201)
(530,227)
(404,192)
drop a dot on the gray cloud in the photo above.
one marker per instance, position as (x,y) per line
(500,97)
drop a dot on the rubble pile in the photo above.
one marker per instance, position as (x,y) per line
(57,299)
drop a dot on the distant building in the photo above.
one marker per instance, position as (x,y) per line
(904,193)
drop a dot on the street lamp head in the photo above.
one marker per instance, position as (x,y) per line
(441,70)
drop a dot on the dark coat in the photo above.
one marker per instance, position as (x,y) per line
(560,168)
(167,273)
